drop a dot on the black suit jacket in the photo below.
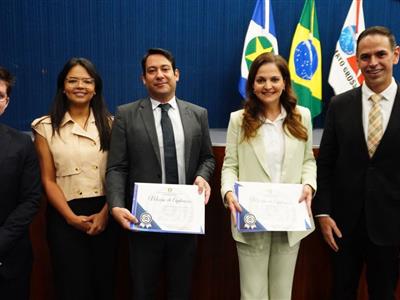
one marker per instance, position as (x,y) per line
(20,193)
(134,154)
(350,184)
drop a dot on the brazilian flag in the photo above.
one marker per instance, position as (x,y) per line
(305,60)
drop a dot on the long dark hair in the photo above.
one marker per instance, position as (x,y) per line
(61,103)
(254,108)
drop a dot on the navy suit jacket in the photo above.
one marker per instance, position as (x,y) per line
(351,185)
(20,194)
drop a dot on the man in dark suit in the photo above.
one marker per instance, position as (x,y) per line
(20,193)
(358,197)
(140,153)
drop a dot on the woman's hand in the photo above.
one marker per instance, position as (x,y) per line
(98,222)
(233,206)
(306,196)
(79,222)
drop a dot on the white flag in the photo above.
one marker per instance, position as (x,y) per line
(344,74)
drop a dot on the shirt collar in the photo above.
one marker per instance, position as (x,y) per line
(67,118)
(388,94)
(280,117)
(172,102)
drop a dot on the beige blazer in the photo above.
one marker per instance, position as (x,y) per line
(246,161)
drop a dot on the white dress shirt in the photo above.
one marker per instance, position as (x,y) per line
(386,104)
(179,136)
(274,144)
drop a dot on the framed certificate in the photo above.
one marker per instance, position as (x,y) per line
(168,208)
(271,207)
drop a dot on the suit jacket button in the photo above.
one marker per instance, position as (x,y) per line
(159,175)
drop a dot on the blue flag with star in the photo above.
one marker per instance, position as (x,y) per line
(260,38)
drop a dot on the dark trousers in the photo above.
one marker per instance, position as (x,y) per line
(83,265)
(150,253)
(382,267)
(17,288)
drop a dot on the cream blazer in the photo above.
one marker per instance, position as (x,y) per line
(246,161)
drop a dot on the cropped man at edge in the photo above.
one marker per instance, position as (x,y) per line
(20,193)
(358,198)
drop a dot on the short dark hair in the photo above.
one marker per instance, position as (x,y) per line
(378,30)
(8,79)
(168,55)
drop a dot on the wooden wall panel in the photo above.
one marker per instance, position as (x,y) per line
(216,275)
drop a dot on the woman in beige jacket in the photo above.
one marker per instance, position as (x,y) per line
(72,143)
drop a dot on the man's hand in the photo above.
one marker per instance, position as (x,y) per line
(329,230)
(202,184)
(233,206)
(123,217)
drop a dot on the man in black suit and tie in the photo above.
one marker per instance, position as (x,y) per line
(358,197)
(20,193)
(159,139)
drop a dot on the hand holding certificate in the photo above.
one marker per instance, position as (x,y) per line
(271,207)
(167,208)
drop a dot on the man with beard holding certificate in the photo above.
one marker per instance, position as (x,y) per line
(158,139)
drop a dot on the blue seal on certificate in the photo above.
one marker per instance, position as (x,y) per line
(250,221)
(145,220)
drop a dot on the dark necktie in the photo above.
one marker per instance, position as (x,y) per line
(170,162)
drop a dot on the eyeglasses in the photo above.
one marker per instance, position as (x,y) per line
(84,81)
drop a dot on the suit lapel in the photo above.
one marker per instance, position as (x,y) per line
(393,127)
(355,114)
(187,124)
(5,141)
(259,149)
(147,115)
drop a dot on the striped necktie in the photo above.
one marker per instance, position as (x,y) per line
(375,127)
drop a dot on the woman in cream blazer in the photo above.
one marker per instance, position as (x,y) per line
(72,144)
(270,140)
